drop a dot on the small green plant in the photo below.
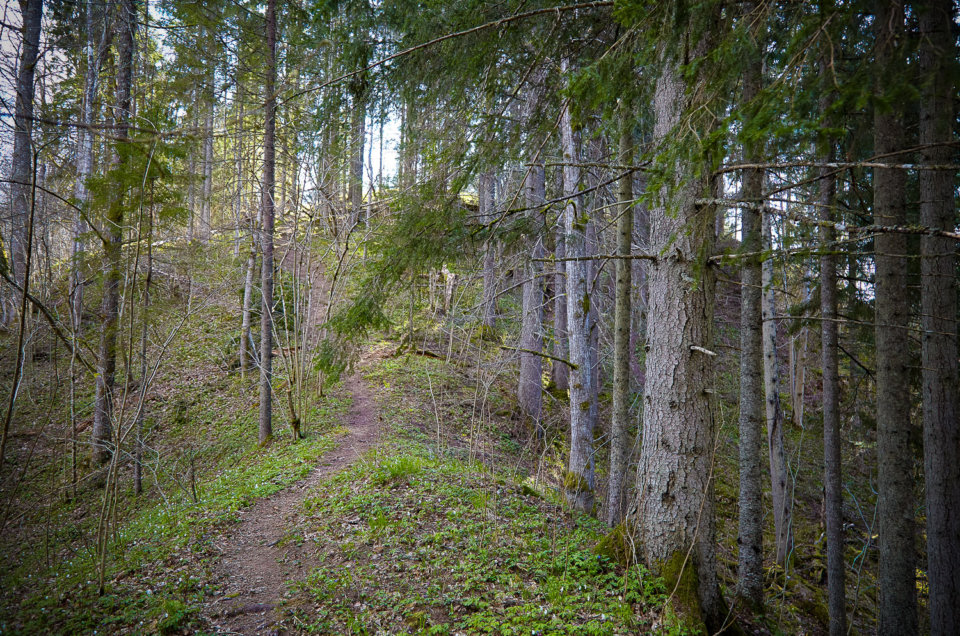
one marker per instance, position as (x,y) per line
(397,468)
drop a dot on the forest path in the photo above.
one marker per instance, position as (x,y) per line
(254,569)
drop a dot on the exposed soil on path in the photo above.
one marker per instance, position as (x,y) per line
(255,571)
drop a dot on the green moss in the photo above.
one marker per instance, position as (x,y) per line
(617,545)
(681,581)
(574,482)
(488,333)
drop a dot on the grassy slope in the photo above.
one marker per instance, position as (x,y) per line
(413,540)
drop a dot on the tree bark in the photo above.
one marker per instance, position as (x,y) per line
(774,413)
(113,233)
(358,137)
(246,355)
(560,373)
(84,168)
(675,491)
(530,389)
(941,390)
(207,192)
(579,482)
(750,528)
(266,241)
(620,442)
(21,161)
(895,505)
(836,564)
(487,196)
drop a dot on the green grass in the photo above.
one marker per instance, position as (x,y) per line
(452,547)
(415,540)
(158,564)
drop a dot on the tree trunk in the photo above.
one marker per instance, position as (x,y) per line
(836,564)
(674,514)
(207,193)
(774,413)
(895,504)
(941,392)
(579,481)
(620,442)
(487,197)
(559,372)
(266,207)
(20,167)
(750,534)
(530,389)
(84,169)
(246,355)
(113,233)
(358,134)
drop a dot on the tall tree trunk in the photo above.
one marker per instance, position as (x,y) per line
(559,372)
(895,505)
(487,197)
(20,167)
(113,233)
(675,493)
(141,410)
(750,535)
(620,442)
(266,207)
(246,339)
(84,168)
(530,389)
(358,137)
(836,564)
(774,413)
(207,193)
(579,482)
(941,391)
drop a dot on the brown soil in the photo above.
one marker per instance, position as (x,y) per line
(255,570)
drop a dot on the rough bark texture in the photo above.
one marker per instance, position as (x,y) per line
(750,528)
(84,167)
(620,442)
(530,389)
(266,207)
(941,392)
(579,482)
(113,233)
(831,402)
(487,196)
(774,414)
(246,355)
(358,137)
(207,193)
(895,504)
(560,373)
(674,515)
(21,161)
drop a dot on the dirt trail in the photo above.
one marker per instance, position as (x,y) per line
(255,571)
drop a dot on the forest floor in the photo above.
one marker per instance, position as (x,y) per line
(253,566)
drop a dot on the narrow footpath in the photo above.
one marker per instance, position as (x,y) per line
(254,569)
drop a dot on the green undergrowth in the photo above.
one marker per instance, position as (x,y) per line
(415,540)
(202,464)
(158,562)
